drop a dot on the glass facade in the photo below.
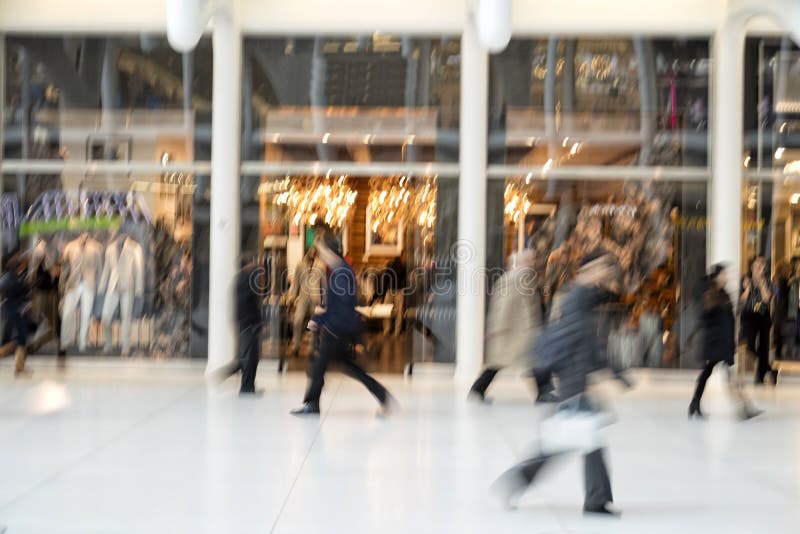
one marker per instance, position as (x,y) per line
(108,138)
(106,135)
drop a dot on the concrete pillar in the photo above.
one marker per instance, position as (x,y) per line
(470,249)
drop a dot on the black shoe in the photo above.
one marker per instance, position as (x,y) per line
(306,409)
(694,411)
(774,377)
(255,393)
(603,510)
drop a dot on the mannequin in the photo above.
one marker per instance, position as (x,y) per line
(122,281)
(82,262)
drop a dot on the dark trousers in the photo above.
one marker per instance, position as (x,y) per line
(484,380)
(597,485)
(701,381)
(337,349)
(542,377)
(756,329)
(16,325)
(733,385)
(248,358)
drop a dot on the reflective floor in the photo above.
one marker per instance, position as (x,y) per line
(104,448)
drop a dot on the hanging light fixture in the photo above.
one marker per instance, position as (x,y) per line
(309,199)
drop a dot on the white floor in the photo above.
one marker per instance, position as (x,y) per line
(144,449)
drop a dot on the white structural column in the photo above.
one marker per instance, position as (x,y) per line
(225,187)
(470,252)
(725,193)
(186,20)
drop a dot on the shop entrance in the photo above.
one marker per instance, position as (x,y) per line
(394,230)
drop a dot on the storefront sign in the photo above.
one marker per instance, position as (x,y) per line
(74,224)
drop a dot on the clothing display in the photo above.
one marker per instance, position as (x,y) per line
(121,282)
(82,262)
(121,269)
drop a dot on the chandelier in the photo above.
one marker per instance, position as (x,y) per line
(310,200)
(388,202)
(396,199)
(518,202)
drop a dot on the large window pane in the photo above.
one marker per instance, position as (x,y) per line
(82,98)
(583,101)
(361,99)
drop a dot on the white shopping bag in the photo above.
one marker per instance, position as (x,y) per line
(574,431)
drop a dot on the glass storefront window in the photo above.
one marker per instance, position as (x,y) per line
(656,230)
(379,98)
(119,127)
(565,101)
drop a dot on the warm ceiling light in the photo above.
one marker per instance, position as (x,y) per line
(325,138)
(795,198)
(779,152)
(747,161)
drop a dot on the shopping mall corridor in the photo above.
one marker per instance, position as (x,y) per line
(109,447)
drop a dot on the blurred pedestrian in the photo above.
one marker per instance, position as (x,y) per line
(793,307)
(755,302)
(339,330)
(305,294)
(570,349)
(16,298)
(514,319)
(719,342)
(395,281)
(780,306)
(248,289)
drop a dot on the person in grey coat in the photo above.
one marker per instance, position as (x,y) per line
(569,348)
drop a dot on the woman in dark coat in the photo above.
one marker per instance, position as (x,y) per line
(719,341)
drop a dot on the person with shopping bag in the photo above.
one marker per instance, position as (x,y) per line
(568,347)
